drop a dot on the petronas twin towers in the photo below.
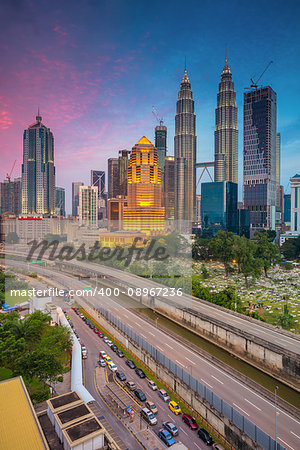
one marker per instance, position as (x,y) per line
(226,145)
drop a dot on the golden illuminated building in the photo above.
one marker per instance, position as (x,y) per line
(144,190)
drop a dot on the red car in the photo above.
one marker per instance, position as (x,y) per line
(101,335)
(96,330)
(190,421)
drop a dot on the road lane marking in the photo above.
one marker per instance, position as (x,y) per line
(151,333)
(252,404)
(207,383)
(168,346)
(295,435)
(285,443)
(197,445)
(217,379)
(178,362)
(143,336)
(159,348)
(190,361)
(138,325)
(172,418)
(237,406)
(183,431)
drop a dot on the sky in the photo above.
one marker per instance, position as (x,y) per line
(95,68)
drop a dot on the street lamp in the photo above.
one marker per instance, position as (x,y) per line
(276,389)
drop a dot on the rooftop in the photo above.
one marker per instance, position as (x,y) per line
(83,429)
(73,413)
(20,428)
(144,141)
(64,399)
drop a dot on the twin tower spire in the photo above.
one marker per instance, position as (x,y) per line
(185,142)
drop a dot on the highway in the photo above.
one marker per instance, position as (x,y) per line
(252,405)
(94,344)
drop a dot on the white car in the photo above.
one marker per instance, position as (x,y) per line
(152,385)
(109,343)
(105,339)
(112,367)
(102,353)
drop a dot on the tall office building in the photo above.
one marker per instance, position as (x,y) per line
(278,145)
(88,206)
(143,211)
(75,197)
(287,209)
(169,188)
(259,158)
(185,155)
(226,131)
(295,204)
(219,207)
(123,171)
(161,145)
(60,201)
(10,196)
(113,182)
(98,179)
(38,171)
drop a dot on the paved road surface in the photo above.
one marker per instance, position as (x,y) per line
(249,403)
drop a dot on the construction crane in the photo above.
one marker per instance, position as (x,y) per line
(8,175)
(155,113)
(254,83)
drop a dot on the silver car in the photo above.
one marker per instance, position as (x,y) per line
(148,416)
(164,395)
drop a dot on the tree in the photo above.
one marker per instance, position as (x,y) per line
(34,326)
(222,248)
(204,271)
(291,249)
(286,319)
(266,251)
(201,249)
(58,339)
(245,255)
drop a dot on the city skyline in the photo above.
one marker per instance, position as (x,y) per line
(96,109)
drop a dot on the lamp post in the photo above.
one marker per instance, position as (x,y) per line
(276,389)
(191,367)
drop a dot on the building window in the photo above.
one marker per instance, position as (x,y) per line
(296,221)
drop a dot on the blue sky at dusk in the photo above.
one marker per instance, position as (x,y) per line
(96,68)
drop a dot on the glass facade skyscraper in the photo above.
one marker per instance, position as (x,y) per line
(113,180)
(161,146)
(38,171)
(169,188)
(260,157)
(75,197)
(98,179)
(60,201)
(185,155)
(219,207)
(226,131)
(123,171)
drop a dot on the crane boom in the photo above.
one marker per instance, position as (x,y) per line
(254,83)
(8,175)
(155,113)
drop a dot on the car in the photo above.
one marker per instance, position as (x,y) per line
(100,334)
(81,316)
(140,395)
(166,437)
(152,406)
(205,436)
(148,416)
(96,330)
(164,395)
(101,363)
(190,421)
(121,376)
(152,385)
(108,360)
(218,446)
(174,407)
(140,373)
(102,354)
(130,364)
(82,344)
(171,428)
(109,343)
(114,348)
(105,339)
(92,326)
(112,367)
(130,385)
(120,354)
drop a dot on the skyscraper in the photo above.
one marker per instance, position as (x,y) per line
(169,188)
(113,178)
(75,197)
(161,145)
(226,131)
(143,211)
(123,171)
(295,204)
(10,200)
(88,206)
(38,171)
(185,155)
(278,171)
(259,158)
(98,179)
(60,208)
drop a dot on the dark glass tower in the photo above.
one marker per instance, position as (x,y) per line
(38,171)
(98,179)
(260,155)
(161,145)
(113,180)
(185,155)
(75,197)
(226,131)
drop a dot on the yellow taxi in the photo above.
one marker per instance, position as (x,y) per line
(175,408)
(108,360)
